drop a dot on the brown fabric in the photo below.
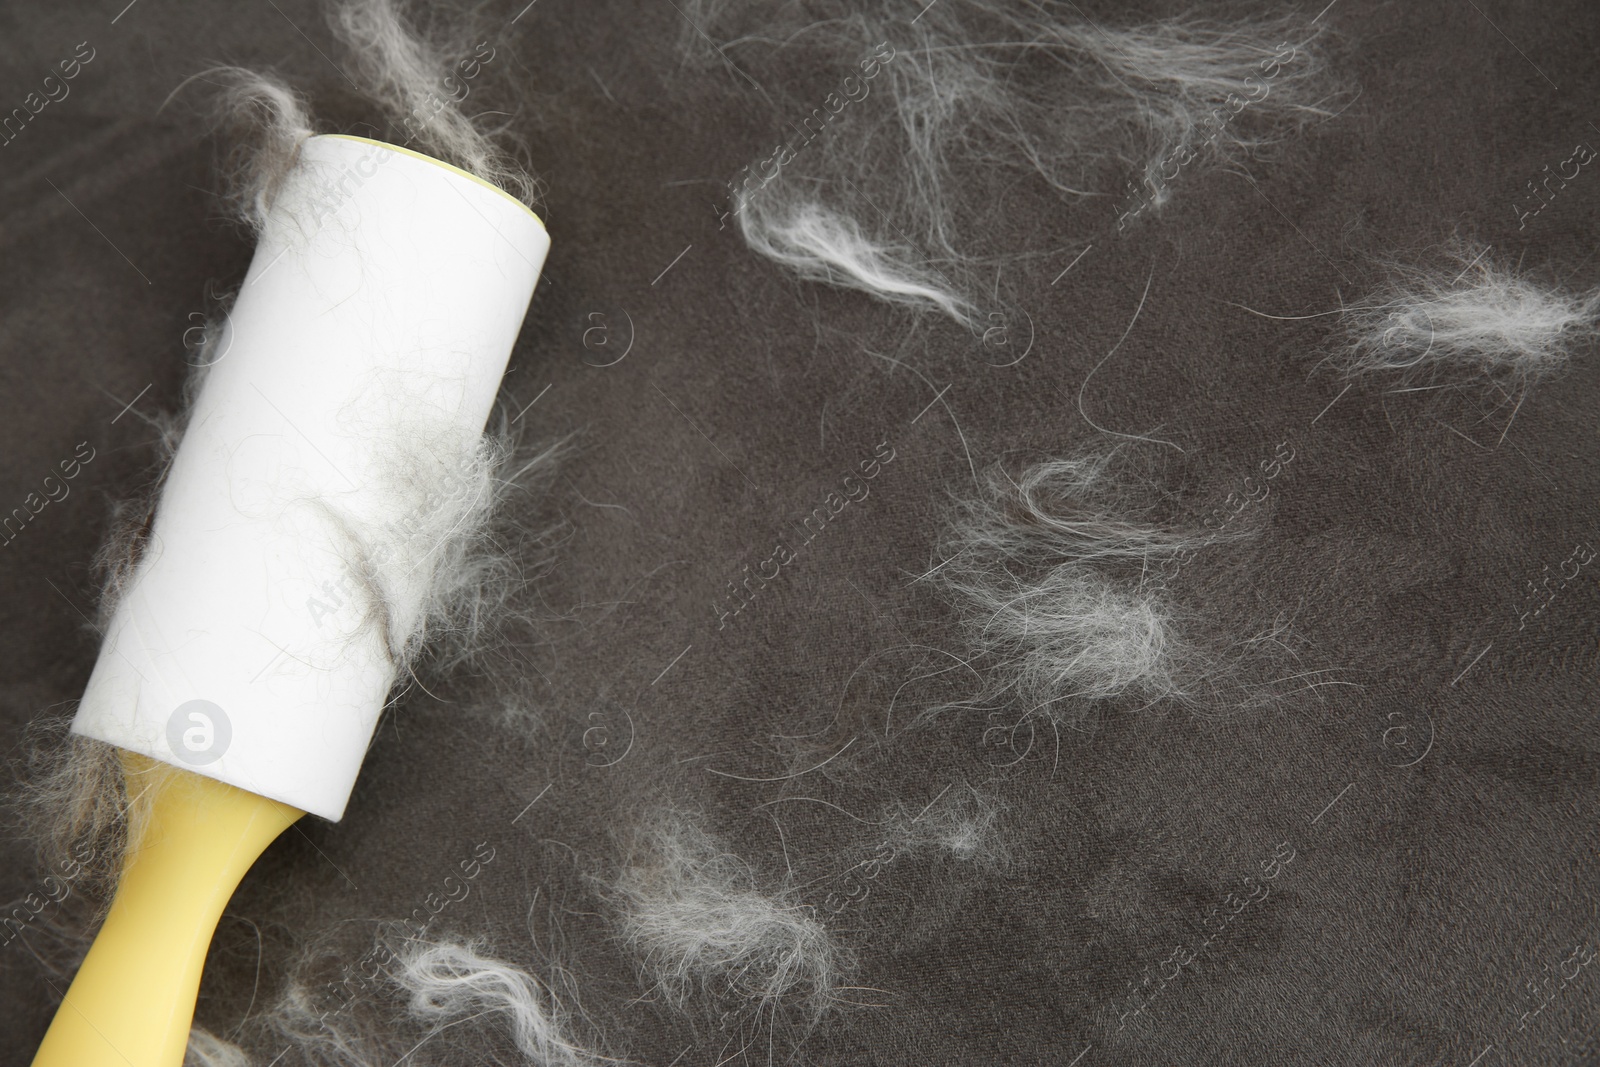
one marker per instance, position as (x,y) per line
(1435,783)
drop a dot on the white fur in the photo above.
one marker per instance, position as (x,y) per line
(452,981)
(438,1002)
(72,803)
(266,121)
(697,918)
(208,1050)
(820,244)
(415,77)
(961,822)
(1048,573)
(899,197)
(454,540)
(1469,317)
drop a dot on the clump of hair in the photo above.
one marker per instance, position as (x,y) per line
(894,198)
(420,80)
(81,802)
(451,981)
(264,121)
(1466,318)
(700,922)
(441,1002)
(417,78)
(72,802)
(1052,576)
(206,1049)
(823,245)
(444,579)
(961,823)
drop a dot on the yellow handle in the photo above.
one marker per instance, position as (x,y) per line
(190,842)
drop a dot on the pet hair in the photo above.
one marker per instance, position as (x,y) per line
(1469,318)
(415,77)
(694,914)
(443,1001)
(77,798)
(1047,573)
(961,823)
(265,121)
(206,1049)
(892,197)
(417,81)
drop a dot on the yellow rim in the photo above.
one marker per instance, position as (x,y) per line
(439,163)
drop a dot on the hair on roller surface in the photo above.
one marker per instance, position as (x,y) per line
(456,488)
(892,197)
(1467,318)
(76,796)
(696,917)
(1048,574)
(73,796)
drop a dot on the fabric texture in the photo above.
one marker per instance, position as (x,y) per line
(1378,846)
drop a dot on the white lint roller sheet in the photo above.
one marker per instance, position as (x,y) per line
(297,530)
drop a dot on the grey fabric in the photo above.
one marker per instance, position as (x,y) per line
(1436,787)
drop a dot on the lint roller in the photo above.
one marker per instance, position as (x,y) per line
(246,665)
